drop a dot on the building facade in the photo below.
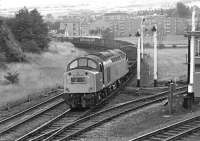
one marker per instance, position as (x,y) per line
(119,23)
(123,25)
(70,27)
(84,28)
(165,25)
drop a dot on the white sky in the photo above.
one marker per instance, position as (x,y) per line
(92,3)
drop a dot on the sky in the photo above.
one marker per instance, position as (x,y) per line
(112,5)
(90,3)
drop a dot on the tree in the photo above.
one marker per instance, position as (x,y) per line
(182,11)
(39,29)
(29,27)
(171,12)
(22,25)
(49,17)
(107,34)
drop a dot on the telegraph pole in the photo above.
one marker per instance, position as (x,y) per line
(154,29)
(192,42)
(138,59)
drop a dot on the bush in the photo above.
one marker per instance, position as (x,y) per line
(147,45)
(12,77)
(161,46)
(2,57)
(174,46)
(30,46)
(14,56)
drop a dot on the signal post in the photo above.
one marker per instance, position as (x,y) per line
(142,38)
(138,59)
(192,42)
(154,30)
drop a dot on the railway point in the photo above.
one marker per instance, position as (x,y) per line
(106,70)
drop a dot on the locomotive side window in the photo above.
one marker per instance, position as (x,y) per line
(115,59)
(108,75)
(92,64)
(74,64)
(101,67)
(82,62)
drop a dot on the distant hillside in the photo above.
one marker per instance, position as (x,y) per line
(10,49)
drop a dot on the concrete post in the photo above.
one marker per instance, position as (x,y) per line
(138,59)
(192,42)
(142,40)
(154,29)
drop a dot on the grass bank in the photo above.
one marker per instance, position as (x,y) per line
(43,71)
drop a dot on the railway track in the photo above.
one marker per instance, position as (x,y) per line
(40,110)
(53,125)
(84,124)
(68,116)
(10,124)
(177,131)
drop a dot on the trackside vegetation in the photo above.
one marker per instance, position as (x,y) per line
(29,30)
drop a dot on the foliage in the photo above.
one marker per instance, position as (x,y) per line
(107,34)
(30,46)
(96,31)
(9,46)
(182,11)
(161,45)
(171,12)
(93,32)
(2,58)
(12,77)
(174,46)
(148,45)
(53,25)
(29,25)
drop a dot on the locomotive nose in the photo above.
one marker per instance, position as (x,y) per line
(79,81)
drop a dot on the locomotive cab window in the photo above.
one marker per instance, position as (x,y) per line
(85,63)
(73,65)
(82,62)
(92,64)
(101,67)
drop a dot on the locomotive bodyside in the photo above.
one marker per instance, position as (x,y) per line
(115,68)
(89,79)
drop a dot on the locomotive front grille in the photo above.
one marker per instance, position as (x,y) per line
(78,80)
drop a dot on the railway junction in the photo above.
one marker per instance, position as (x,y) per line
(131,111)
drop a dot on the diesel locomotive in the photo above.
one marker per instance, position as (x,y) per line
(90,78)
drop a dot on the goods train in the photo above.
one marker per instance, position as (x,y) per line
(89,79)
(94,42)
